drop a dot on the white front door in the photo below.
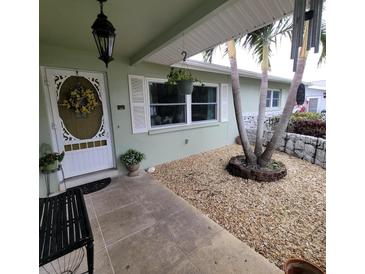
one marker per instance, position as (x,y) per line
(81,120)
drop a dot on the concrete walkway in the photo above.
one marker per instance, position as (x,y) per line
(140,226)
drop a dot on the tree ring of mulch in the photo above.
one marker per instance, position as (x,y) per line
(94,186)
(237,167)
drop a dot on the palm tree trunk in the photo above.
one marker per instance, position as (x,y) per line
(264,159)
(262,101)
(250,156)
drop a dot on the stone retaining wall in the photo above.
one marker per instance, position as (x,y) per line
(308,148)
(250,118)
(250,121)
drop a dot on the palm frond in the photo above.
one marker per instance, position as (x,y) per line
(283,27)
(322,57)
(255,41)
(208,55)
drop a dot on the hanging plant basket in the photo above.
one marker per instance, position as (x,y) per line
(185,86)
(183,79)
(50,161)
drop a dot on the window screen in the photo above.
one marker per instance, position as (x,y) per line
(204,103)
(167,105)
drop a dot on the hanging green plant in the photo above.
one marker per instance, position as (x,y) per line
(183,79)
(82,101)
(50,161)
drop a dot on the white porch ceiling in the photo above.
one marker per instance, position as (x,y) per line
(233,19)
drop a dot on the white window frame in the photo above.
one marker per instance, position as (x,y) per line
(272,97)
(314,97)
(217,110)
(188,104)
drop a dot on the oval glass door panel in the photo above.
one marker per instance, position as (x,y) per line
(80,107)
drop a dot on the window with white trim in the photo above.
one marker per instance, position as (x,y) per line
(204,103)
(273,99)
(167,107)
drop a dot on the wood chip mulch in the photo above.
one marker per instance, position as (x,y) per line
(280,220)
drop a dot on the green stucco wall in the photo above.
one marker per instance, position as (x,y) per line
(159,148)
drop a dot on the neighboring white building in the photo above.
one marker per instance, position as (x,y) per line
(315,94)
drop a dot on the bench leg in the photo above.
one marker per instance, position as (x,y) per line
(90,257)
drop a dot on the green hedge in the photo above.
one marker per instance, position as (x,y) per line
(305,116)
(304,123)
(315,128)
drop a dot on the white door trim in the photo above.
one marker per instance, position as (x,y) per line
(51,118)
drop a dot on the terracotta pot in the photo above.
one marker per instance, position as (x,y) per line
(133,170)
(298,266)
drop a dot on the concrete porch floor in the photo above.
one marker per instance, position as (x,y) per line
(140,226)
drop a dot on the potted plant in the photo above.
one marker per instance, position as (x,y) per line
(50,161)
(131,160)
(183,79)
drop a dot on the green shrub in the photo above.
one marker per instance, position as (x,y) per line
(50,158)
(305,123)
(305,116)
(315,128)
(180,74)
(132,157)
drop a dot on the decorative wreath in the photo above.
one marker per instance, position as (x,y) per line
(81,101)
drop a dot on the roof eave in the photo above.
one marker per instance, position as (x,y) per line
(208,67)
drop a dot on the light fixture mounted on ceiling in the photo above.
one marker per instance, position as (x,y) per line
(104,35)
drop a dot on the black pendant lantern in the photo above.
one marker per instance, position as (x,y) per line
(104,35)
(301,94)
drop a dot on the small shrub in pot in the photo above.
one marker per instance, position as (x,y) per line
(131,159)
(50,161)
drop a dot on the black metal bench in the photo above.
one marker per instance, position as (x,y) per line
(64,226)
